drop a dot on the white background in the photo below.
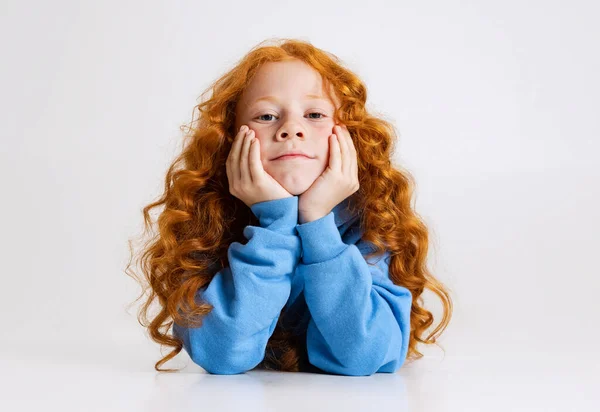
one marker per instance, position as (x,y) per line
(496,104)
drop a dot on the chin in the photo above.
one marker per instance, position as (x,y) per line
(293,184)
(296,190)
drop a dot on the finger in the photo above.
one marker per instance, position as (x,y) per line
(244,168)
(256,168)
(233,157)
(353,155)
(335,161)
(341,133)
(350,141)
(354,163)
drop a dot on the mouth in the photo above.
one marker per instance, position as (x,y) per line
(292,157)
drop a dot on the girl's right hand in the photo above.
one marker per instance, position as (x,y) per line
(248,181)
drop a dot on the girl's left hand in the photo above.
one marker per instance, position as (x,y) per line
(336,183)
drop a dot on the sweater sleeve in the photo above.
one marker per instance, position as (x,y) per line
(360,319)
(248,295)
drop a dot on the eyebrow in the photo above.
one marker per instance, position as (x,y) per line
(274,99)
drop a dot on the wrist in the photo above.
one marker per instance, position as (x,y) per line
(310,216)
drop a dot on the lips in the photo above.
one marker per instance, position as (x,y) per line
(292,156)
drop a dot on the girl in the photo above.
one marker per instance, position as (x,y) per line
(287,240)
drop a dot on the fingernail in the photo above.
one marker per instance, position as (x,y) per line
(243,128)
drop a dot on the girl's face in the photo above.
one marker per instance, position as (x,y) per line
(286,107)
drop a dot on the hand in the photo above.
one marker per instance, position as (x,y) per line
(336,183)
(248,181)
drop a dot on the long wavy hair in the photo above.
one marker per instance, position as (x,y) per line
(200,218)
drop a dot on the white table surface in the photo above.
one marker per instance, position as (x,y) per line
(76,379)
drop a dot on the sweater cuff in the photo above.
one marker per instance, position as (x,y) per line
(280,215)
(320,240)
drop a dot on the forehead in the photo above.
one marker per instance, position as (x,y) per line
(284,80)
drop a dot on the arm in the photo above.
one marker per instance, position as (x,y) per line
(247,296)
(360,319)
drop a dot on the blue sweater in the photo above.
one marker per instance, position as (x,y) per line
(357,322)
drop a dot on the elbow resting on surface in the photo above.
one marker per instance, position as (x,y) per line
(219,365)
(223,368)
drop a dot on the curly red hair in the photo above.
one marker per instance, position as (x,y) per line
(201,218)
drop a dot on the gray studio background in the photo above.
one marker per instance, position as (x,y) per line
(496,105)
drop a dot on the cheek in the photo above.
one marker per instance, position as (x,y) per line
(323,146)
(324,133)
(326,127)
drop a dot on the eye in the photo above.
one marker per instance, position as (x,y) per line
(268,114)
(259,117)
(322,115)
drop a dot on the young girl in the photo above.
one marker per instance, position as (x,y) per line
(287,240)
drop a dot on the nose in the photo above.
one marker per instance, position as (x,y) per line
(284,134)
(289,130)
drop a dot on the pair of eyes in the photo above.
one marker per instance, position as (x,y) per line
(316,118)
